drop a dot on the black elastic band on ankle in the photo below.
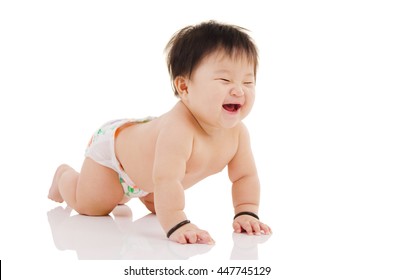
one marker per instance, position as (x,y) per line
(176,227)
(246,213)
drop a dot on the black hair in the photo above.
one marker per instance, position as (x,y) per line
(190,45)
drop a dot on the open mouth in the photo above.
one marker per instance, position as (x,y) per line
(231,107)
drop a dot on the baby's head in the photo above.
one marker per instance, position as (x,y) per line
(190,45)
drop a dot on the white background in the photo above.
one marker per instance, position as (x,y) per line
(321,126)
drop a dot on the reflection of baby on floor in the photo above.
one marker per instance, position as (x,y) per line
(246,247)
(90,237)
(118,238)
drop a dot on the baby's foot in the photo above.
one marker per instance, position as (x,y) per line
(54,193)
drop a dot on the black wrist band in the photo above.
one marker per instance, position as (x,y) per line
(246,213)
(176,227)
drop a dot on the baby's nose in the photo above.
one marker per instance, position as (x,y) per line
(237,91)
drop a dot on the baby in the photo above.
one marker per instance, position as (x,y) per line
(213,72)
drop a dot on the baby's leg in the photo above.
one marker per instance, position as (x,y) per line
(54,193)
(95,191)
(149,202)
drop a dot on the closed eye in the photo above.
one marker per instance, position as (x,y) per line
(223,79)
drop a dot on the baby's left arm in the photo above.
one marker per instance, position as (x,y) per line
(245,188)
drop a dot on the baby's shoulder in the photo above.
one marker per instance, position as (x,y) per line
(174,118)
(173,125)
(178,118)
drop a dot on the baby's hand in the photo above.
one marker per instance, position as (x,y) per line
(191,234)
(250,225)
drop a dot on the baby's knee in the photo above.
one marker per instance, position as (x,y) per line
(124,200)
(93,210)
(149,203)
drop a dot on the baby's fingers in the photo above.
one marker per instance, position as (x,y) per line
(243,227)
(251,227)
(201,237)
(205,238)
(237,227)
(266,229)
(247,227)
(179,238)
(191,237)
(256,227)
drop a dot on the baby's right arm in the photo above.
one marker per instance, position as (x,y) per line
(173,149)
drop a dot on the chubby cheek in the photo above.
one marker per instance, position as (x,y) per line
(249,102)
(214,106)
(213,102)
(207,107)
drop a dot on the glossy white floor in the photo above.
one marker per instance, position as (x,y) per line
(322,227)
(321,131)
(120,236)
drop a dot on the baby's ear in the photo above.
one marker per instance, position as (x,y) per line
(180,83)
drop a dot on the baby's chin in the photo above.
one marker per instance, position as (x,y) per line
(232,119)
(228,124)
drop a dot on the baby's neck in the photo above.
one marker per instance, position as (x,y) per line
(205,128)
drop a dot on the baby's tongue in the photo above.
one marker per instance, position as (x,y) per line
(230,107)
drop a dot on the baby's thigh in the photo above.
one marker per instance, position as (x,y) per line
(99,190)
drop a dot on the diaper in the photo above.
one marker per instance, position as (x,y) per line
(101,149)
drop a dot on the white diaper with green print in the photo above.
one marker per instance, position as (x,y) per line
(101,149)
